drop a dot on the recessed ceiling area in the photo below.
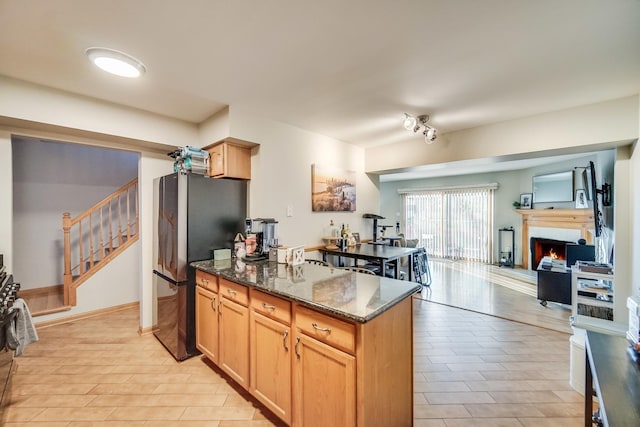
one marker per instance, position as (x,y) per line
(476,166)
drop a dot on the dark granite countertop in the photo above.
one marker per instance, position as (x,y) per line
(351,296)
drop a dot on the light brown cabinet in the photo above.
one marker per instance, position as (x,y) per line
(234,331)
(325,385)
(348,374)
(270,346)
(207,323)
(310,368)
(207,314)
(229,160)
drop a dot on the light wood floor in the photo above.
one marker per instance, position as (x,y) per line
(503,292)
(471,369)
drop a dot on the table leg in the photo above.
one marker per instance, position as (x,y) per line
(410,272)
(396,268)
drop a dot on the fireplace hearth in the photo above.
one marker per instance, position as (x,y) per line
(542,247)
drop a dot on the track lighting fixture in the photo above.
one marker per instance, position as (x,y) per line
(419,123)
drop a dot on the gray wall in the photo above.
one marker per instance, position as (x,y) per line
(50,178)
(511,185)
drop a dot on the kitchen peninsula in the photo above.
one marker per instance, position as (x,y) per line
(316,345)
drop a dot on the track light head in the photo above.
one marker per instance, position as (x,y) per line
(410,122)
(430,134)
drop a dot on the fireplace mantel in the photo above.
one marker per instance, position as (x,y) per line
(577,219)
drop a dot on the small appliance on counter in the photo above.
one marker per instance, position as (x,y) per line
(262,235)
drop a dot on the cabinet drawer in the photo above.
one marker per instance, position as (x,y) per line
(234,292)
(276,308)
(334,332)
(207,281)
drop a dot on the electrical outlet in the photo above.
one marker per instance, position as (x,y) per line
(289,210)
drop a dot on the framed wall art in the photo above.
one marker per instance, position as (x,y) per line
(526,200)
(332,189)
(581,199)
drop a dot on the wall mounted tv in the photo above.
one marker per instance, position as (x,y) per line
(589,182)
(553,187)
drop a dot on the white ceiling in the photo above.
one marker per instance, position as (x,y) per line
(348,69)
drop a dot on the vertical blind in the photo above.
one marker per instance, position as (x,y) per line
(452,223)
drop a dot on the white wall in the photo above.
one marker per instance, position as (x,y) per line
(43,105)
(623,242)
(634,213)
(6,213)
(281,178)
(634,231)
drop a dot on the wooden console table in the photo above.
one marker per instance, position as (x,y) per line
(615,376)
(576,219)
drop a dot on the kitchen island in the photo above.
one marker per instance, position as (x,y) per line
(316,345)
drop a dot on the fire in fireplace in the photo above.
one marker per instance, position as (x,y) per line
(542,247)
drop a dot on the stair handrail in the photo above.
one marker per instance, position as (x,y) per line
(123,239)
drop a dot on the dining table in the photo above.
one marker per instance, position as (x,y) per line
(382,255)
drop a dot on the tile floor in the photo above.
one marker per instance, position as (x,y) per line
(471,369)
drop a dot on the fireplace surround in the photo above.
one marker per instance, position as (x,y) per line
(574,219)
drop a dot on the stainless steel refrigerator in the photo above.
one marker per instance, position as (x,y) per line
(193,215)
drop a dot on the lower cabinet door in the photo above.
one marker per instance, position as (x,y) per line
(207,323)
(324,385)
(270,344)
(234,341)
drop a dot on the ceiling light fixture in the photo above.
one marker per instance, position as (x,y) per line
(116,62)
(419,123)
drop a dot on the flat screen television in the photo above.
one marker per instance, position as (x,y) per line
(589,180)
(553,187)
(580,253)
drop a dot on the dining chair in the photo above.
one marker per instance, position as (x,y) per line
(421,271)
(317,262)
(357,270)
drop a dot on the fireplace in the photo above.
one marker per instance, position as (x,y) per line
(541,247)
(570,219)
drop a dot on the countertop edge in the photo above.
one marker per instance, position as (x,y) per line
(310,304)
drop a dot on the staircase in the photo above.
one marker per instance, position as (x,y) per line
(97,236)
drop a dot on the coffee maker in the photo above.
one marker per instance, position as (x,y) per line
(266,233)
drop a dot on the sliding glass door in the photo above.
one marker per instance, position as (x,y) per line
(451,223)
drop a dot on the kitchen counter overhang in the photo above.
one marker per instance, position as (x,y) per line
(354,297)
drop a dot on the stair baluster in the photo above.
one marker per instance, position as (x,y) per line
(76,273)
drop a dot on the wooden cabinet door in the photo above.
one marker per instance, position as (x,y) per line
(230,160)
(271,364)
(324,385)
(216,160)
(207,323)
(234,341)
